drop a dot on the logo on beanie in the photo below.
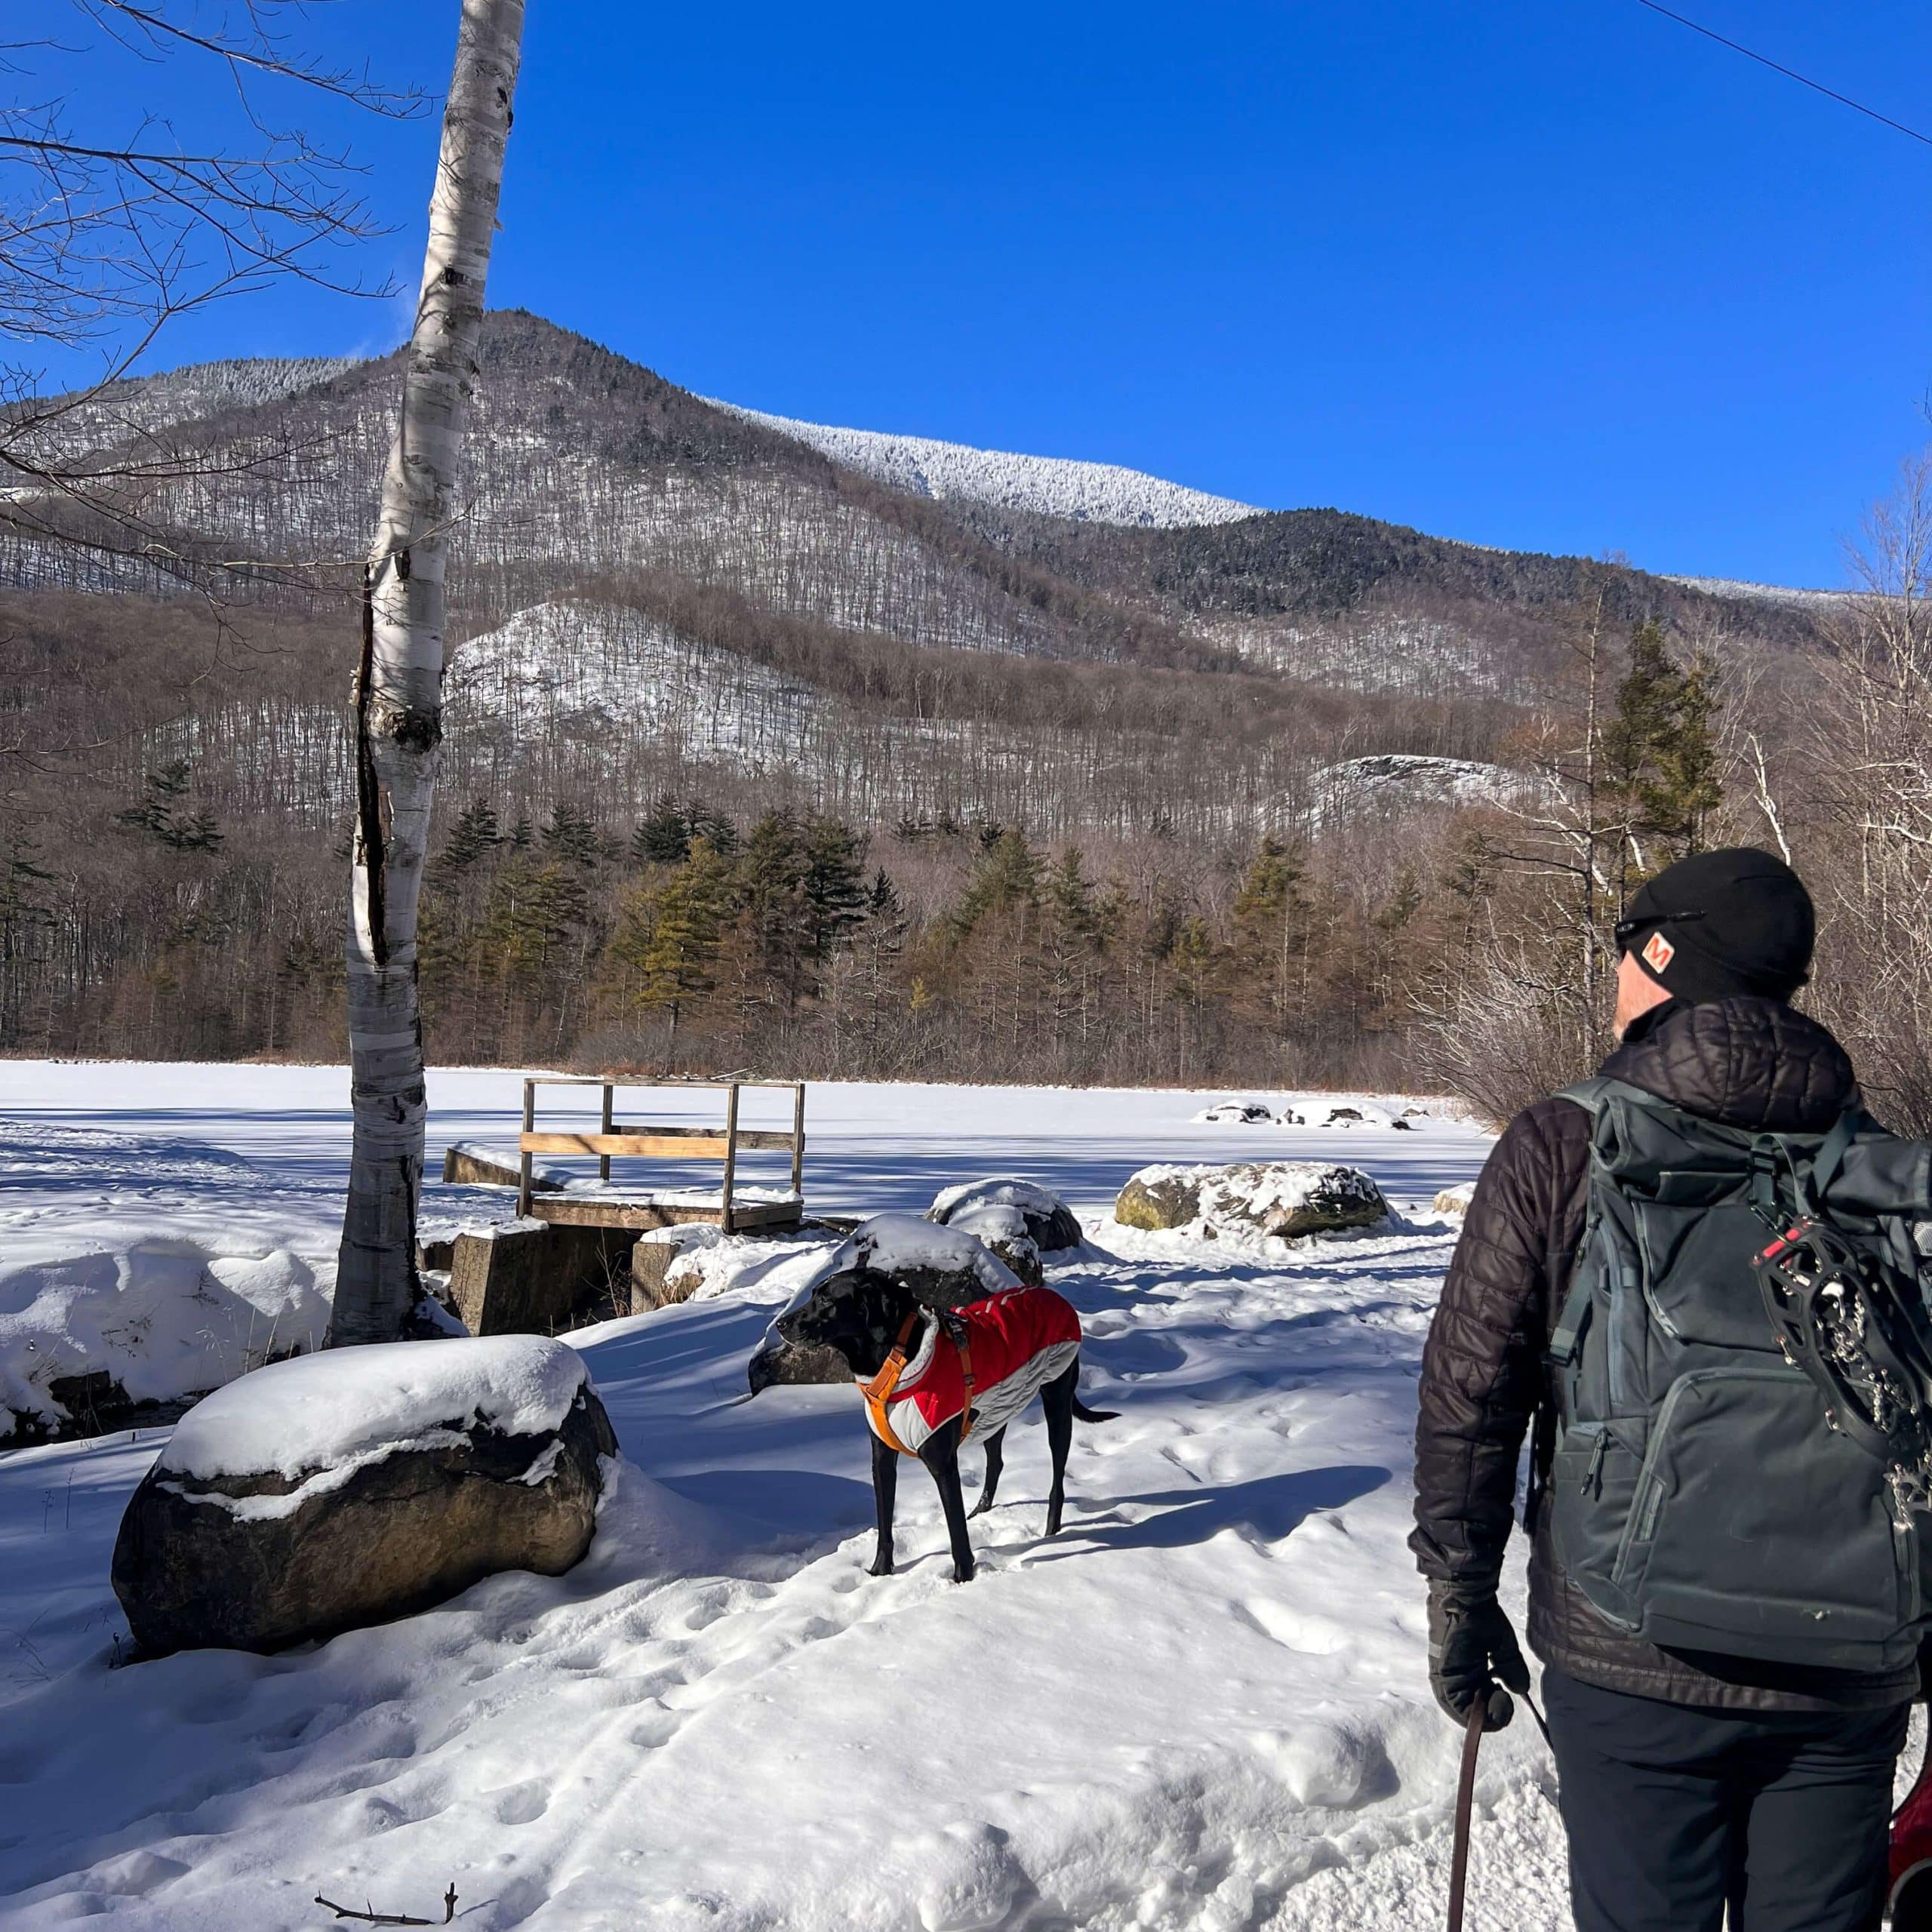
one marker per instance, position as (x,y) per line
(1659,952)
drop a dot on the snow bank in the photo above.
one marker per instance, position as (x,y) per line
(1321,1112)
(165,1320)
(351,1405)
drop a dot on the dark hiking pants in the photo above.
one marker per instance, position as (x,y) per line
(1673,1811)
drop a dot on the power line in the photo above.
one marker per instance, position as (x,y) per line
(1789,73)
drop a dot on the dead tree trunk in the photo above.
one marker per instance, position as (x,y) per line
(398,691)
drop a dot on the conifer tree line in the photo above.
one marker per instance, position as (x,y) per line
(1465,948)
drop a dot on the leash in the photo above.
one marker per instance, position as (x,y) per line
(877,1393)
(1465,1800)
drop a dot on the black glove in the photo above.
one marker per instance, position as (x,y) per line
(1472,1652)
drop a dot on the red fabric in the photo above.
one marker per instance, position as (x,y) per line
(1911,1829)
(1005,1333)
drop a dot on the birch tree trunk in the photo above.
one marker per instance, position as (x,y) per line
(398,689)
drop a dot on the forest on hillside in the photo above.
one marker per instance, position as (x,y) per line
(749,762)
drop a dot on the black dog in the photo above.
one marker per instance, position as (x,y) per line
(1027,1340)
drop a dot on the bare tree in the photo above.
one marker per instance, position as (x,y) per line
(398,693)
(1874,755)
(109,234)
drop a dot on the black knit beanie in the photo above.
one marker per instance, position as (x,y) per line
(1721,924)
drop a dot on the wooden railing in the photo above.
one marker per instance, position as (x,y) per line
(620,1140)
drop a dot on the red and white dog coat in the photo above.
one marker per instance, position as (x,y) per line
(1017,1342)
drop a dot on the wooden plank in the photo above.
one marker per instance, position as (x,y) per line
(799,1139)
(577,1210)
(523,1161)
(604,1160)
(731,1155)
(469,1169)
(693,1148)
(759,1139)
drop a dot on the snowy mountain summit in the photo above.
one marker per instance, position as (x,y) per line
(1046,485)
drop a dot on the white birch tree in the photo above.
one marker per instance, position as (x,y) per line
(398,688)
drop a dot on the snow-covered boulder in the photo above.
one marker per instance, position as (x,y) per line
(985,1207)
(1281,1199)
(1242,1113)
(1342,1113)
(1453,1202)
(944,1267)
(360,1484)
(88,1343)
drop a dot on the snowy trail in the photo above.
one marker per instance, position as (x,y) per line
(1202,1705)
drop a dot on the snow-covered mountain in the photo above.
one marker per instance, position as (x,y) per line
(1046,485)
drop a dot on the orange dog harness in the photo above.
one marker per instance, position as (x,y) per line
(878,1391)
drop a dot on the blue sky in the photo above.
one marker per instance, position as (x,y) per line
(1557,276)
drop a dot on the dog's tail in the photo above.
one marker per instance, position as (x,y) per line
(1085,1414)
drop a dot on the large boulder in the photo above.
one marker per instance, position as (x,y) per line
(987,1208)
(360,1484)
(944,1267)
(129,1337)
(1282,1199)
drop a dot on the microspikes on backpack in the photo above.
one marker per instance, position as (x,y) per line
(1721,1481)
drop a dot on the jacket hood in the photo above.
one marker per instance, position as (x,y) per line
(1752,1063)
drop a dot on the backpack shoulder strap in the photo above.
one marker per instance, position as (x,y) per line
(1591,1095)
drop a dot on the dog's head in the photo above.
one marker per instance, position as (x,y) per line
(858,1311)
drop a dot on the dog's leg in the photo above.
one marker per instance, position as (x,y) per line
(1056,1398)
(885,1489)
(996,1461)
(940,1454)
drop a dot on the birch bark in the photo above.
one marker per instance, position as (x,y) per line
(398,688)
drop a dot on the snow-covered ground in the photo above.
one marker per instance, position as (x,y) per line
(1046,485)
(1202,1707)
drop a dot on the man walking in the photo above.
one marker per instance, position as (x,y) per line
(1692,1778)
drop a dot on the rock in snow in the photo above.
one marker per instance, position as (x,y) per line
(1454,1201)
(944,1267)
(360,1485)
(1049,1223)
(1244,1113)
(85,1341)
(1281,1199)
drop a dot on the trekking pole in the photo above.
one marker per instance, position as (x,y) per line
(1465,1798)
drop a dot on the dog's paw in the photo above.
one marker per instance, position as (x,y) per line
(964,1573)
(882,1566)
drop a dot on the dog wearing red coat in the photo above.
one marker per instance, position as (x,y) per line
(931,1378)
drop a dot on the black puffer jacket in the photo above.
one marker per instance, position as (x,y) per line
(1750,1063)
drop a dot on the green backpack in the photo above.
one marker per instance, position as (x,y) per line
(1742,1371)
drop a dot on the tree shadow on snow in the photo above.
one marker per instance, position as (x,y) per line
(1269,1507)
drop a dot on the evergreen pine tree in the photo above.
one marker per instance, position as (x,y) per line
(1660,755)
(663,838)
(1271,928)
(774,872)
(474,834)
(571,836)
(835,884)
(668,935)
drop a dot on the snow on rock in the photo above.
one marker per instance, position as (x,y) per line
(1454,1201)
(916,1250)
(986,1208)
(1048,486)
(360,1485)
(162,1320)
(1404,782)
(1320,1111)
(1278,1200)
(1246,1113)
(943,1266)
(345,1406)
